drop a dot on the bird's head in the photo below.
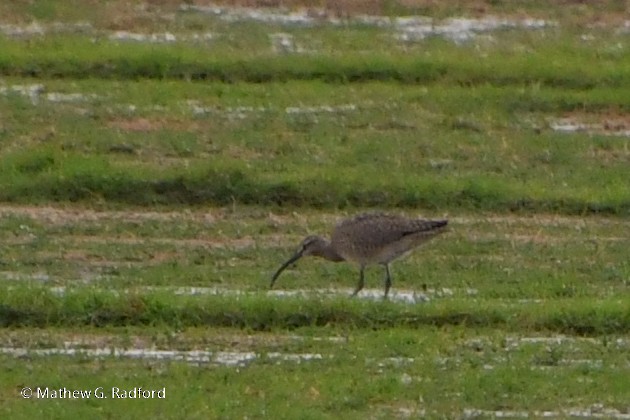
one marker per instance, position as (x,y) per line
(311,245)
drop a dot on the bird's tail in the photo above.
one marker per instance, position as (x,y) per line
(427,228)
(436,224)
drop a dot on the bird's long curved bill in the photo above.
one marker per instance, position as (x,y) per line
(290,261)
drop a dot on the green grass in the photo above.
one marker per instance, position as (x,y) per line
(38,307)
(564,61)
(501,258)
(436,371)
(202,164)
(493,151)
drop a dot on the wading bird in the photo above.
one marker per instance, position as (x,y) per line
(366,239)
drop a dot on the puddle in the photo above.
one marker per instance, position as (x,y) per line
(69,97)
(198,357)
(624,29)
(332,339)
(38,29)
(567,126)
(399,296)
(13,275)
(37,92)
(239,14)
(513,343)
(33,92)
(321,109)
(239,112)
(448,363)
(133,36)
(242,112)
(620,128)
(590,363)
(403,296)
(595,411)
(460,29)
(405,29)
(159,38)
(283,43)
(411,28)
(85,278)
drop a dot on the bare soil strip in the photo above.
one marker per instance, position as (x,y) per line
(68,215)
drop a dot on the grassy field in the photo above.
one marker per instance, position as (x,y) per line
(159,161)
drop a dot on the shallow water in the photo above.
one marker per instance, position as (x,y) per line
(405,29)
(399,296)
(160,38)
(223,358)
(37,92)
(408,28)
(605,128)
(243,358)
(460,29)
(595,411)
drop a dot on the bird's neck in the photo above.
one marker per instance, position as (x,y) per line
(329,253)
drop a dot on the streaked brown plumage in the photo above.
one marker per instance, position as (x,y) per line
(372,238)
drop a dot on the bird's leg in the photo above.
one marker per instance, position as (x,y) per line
(388,280)
(361,282)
